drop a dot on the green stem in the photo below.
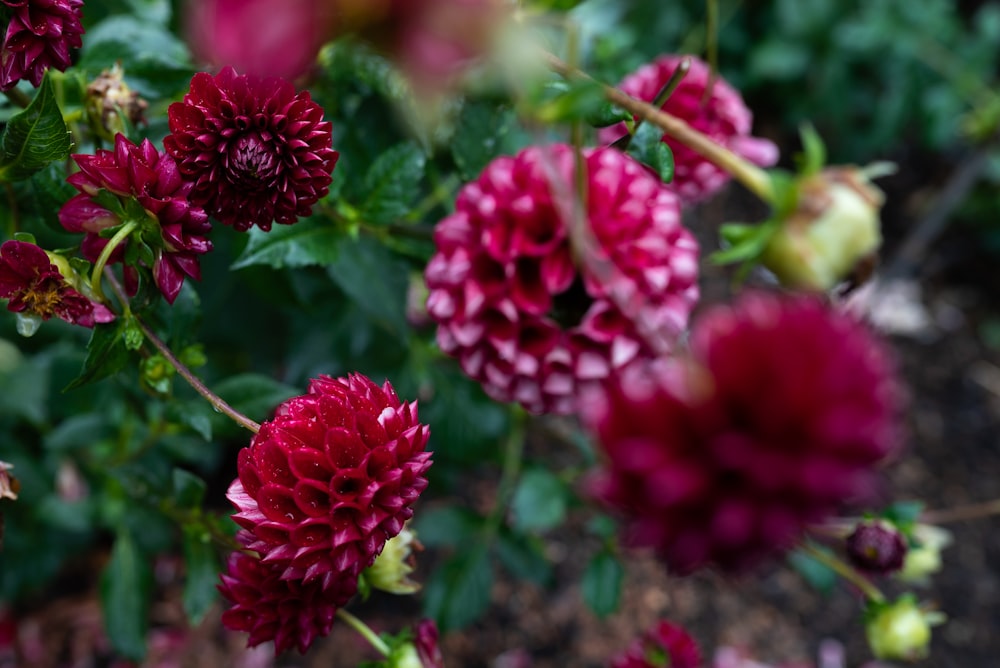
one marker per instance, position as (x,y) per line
(513,454)
(846,571)
(661,98)
(102,259)
(218,403)
(364,630)
(17,97)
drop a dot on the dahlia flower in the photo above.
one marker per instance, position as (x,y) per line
(256,151)
(876,547)
(321,488)
(152,195)
(517,306)
(426,642)
(39,36)
(775,419)
(722,115)
(36,286)
(665,646)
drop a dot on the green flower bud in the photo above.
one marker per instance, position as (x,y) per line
(900,630)
(833,231)
(392,568)
(405,656)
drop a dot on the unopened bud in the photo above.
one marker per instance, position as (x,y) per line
(900,630)
(924,557)
(393,566)
(876,547)
(112,105)
(833,231)
(9,486)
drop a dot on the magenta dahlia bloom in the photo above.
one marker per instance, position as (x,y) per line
(723,116)
(666,645)
(153,195)
(35,286)
(39,36)
(256,151)
(513,304)
(777,418)
(426,643)
(329,480)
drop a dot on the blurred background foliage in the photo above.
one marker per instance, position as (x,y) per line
(122,466)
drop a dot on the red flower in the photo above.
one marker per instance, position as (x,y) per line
(722,116)
(509,299)
(256,151)
(324,485)
(666,646)
(777,418)
(426,642)
(876,547)
(174,229)
(35,286)
(39,36)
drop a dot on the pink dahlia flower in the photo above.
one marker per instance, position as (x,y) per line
(39,36)
(510,296)
(777,418)
(723,116)
(323,486)
(256,151)
(149,188)
(35,286)
(664,645)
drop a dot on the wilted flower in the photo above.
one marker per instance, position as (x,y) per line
(170,233)
(719,113)
(876,547)
(330,479)
(900,630)
(664,646)
(35,286)
(39,36)
(517,299)
(256,151)
(777,417)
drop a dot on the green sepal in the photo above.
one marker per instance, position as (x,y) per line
(26,237)
(647,146)
(813,155)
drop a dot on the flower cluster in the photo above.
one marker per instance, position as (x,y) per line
(534,310)
(39,36)
(256,151)
(776,418)
(321,488)
(710,105)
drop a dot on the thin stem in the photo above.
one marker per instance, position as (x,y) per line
(846,571)
(661,98)
(750,175)
(513,454)
(218,403)
(102,259)
(972,511)
(364,630)
(17,97)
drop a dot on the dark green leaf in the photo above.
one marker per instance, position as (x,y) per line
(376,280)
(745,243)
(202,565)
(817,574)
(602,583)
(563,101)
(647,146)
(466,424)
(524,557)
(254,395)
(106,354)
(478,136)
(35,137)
(188,489)
(606,115)
(904,513)
(392,184)
(448,525)
(125,592)
(539,501)
(458,593)
(313,241)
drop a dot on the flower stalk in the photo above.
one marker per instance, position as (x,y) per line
(846,571)
(364,630)
(95,278)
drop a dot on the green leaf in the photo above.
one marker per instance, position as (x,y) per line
(448,525)
(392,183)
(458,593)
(106,354)
(539,501)
(524,557)
(745,243)
(254,395)
(602,583)
(479,136)
(376,280)
(568,101)
(202,565)
(904,513)
(188,489)
(313,241)
(817,574)
(647,146)
(125,593)
(35,137)
(606,115)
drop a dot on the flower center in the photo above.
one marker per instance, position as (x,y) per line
(43,301)
(253,162)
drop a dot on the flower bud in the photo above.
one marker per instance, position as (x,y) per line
(393,566)
(112,106)
(833,230)
(876,547)
(924,558)
(9,486)
(900,630)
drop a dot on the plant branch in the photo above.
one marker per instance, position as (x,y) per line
(102,259)
(17,97)
(845,571)
(973,511)
(364,630)
(218,403)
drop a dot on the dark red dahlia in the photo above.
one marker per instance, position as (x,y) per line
(665,646)
(876,547)
(154,197)
(330,479)
(426,642)
(36,286)
(39,36)
(257,152)
(722,116)
(777,418)
(515,303)
(288,611)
